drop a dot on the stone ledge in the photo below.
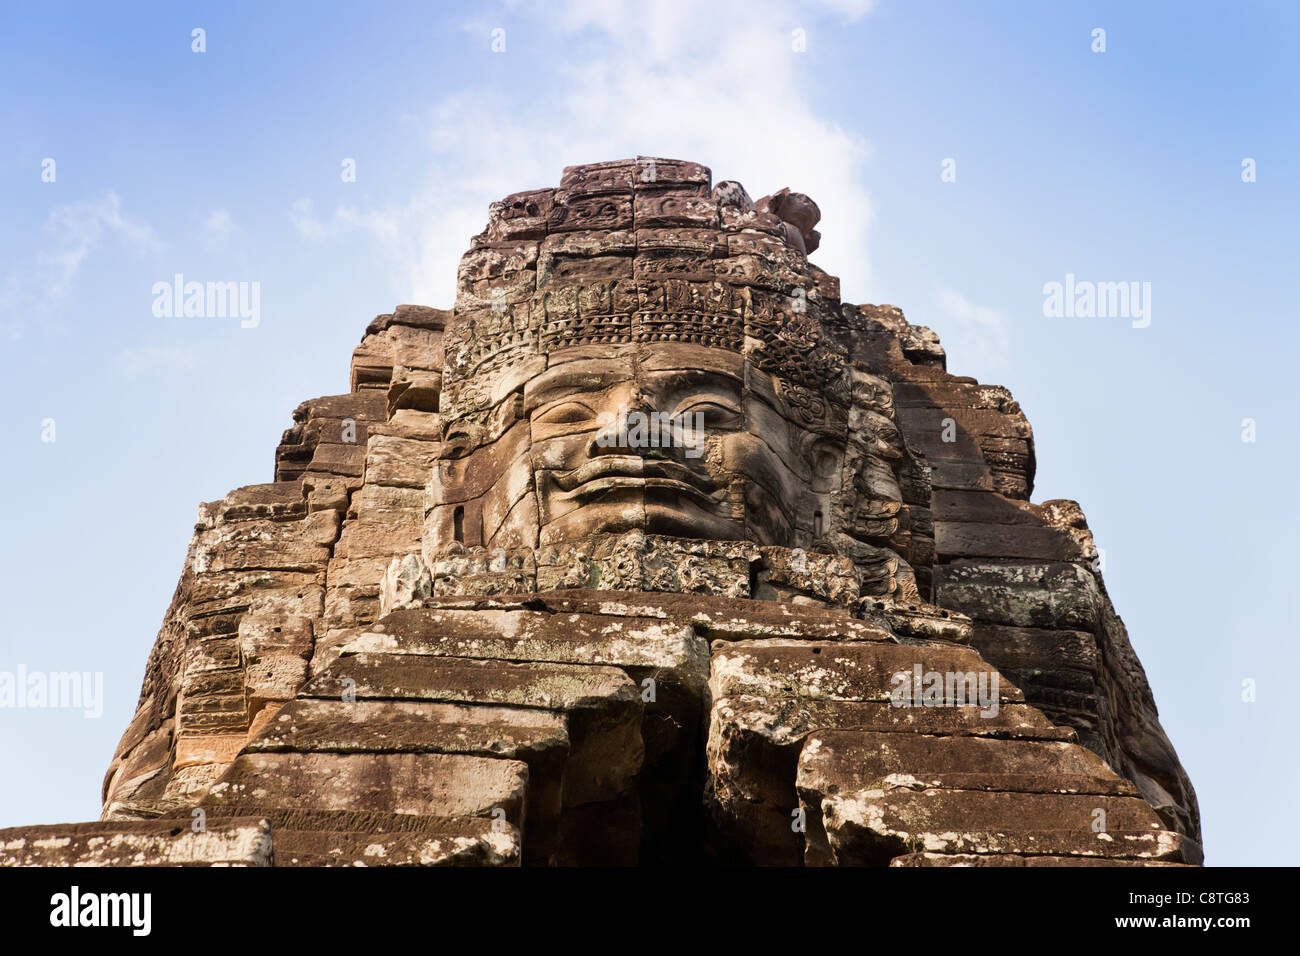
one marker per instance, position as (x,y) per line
(240,841)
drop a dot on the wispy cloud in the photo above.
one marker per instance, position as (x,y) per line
(218,227)
(302,216)
(717,83)
(384,226)
(977,338)
(70,234)
(74,229)
(136,361)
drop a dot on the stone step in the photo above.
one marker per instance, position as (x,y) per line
(523,635)
(983,507)
(963,539)
(1027,648)
(1067,783)
(603,706)
(370,726)
(667,662)
(539,738)
(839,761)
(428,784)
(845,671)
(784,721)
(234,841)
(871,827)
(463,680)
(1013,859)
(711,616)
(474,842)
(350,821)
(1054,595)
(754,743)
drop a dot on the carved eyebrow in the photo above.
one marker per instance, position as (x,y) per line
(564,384)
(725,402)
(697,373)
(687,384)
(557,406)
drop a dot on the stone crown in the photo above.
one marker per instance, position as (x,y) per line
(644,251)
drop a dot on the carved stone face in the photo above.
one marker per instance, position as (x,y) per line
(669,438)
(617,446)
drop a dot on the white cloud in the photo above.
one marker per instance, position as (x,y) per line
(74,229)
(149,357)
(383,226)
(977,338)
(218,227)
(71,232)
(10,321)
(716,83)
(308,226)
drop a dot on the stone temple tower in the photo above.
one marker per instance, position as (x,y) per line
(649,550)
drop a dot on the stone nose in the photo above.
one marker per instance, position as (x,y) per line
(616,436)
(627,429)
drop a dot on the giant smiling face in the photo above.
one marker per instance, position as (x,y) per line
(669,438)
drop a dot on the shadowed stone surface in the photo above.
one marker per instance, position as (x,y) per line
(644,552)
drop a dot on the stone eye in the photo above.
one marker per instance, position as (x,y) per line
(567,413)
(716,414)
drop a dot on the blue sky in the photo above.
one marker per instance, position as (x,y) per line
(225,166)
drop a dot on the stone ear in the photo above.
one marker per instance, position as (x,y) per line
(459,438)
(826,458)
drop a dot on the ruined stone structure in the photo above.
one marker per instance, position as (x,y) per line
(649,550)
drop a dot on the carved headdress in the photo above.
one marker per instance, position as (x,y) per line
(642,252)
